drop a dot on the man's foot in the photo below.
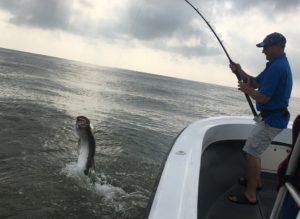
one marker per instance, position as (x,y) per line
(241,199)
(242,181)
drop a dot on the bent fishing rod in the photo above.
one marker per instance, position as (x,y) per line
(230,60)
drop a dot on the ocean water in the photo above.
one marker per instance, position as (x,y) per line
(135,117)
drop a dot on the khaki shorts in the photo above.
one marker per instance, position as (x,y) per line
(260,139)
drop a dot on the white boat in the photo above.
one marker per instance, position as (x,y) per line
(203,166)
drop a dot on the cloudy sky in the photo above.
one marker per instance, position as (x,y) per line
(164,37)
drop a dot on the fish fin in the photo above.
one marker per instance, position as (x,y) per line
(92,176)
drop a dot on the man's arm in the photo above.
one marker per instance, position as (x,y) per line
(256,95)
(245,77)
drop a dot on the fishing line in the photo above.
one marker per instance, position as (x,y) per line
(230,60)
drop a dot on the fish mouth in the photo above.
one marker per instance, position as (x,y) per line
(82,122)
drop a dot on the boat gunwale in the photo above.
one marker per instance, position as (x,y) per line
(161,200)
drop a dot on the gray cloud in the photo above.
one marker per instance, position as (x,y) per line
(156,18)
(50,14)
(157,21)
(269,6)
(150,22)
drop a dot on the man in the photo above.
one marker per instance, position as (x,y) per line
(271,90)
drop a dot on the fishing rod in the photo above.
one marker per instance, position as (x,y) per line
(230,60)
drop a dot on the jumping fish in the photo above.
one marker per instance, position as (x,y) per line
(86,146)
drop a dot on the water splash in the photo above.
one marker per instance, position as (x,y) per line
(101,185)
(123,203)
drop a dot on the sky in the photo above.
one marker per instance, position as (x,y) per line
(164,37)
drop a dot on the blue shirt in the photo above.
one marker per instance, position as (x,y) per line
(276,82)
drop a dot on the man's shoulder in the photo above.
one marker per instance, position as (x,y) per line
(281,60)
(280,65)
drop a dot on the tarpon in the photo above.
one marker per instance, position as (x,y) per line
(86,145)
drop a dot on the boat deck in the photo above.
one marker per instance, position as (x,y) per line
(222,164)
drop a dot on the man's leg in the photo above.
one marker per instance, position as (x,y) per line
(253,175)
(258,141)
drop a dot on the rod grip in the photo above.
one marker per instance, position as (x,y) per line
(236,72)
(238,75)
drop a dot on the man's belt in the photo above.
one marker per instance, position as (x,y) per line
(266,113)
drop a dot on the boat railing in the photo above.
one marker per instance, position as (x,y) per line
(294,193)
(292,170)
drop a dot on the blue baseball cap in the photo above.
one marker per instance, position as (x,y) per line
(273,38)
